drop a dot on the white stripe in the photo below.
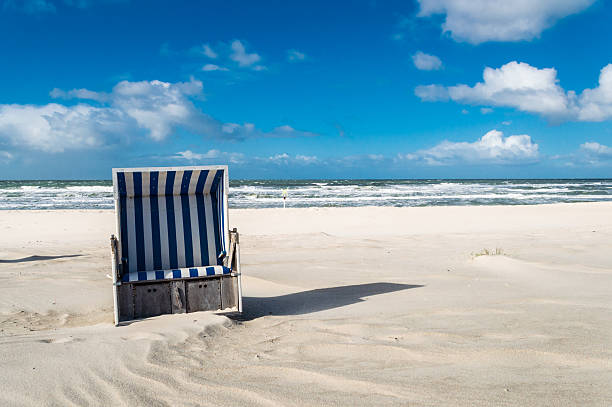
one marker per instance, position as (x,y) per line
(131,222)
(178,219)
(193,214)
(146,221)
(163,220)
(209,180)
(183,272)
(193,183)
(225,213)
(210,230)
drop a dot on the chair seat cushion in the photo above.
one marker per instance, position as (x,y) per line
(187,272)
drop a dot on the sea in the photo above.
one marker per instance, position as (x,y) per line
(84,194)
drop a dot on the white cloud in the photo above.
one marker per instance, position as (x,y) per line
(477,21)
(191,156)
(426,62)
(590,153)
(213,67)
(507,122)
(486,110)
(279,158)
(287,159)
(307,159)
(596,104)
(529,89)
(596,148)
(5,157)
(294,55)
(154,109)
(240,55)
(492,148)
(78,94)
(431,93)
(208,51)
(54,127)
(188,155)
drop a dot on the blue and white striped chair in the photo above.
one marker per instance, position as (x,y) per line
(174,251)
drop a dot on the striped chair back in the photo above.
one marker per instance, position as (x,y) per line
(170,218)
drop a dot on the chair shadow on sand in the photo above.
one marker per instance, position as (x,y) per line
(38,258)
(321,299)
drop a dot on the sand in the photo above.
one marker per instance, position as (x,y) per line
(343,306)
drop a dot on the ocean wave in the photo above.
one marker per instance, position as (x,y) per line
(321,193)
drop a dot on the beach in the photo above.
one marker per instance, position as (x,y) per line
(425,306)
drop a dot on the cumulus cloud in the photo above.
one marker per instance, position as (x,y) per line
(492,148)
(594,153)
(294,55)
(426,62)
(478,21)
(529,89)
(54,127)
(240,55)
(596,104)
(154,109)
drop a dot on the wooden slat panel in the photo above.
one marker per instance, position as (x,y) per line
(178,298)
(152,299)
(229,292)
(203,295)
(125,302)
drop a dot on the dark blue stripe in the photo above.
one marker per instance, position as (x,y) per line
(123,219)
(159,274)
(222,212)
(142,276)
(226,270)
(214,191)
(193,272)
(154,203)
(176,273)
(210,271)
(170,218)
(202,217)
(139,221)
(187,219)
(125,277)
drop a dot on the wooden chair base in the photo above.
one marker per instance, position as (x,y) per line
(138,300)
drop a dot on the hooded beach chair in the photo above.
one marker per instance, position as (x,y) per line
(173,252)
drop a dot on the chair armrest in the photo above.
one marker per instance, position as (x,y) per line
(234,238)
(115,257)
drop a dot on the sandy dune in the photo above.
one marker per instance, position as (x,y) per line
(343,306)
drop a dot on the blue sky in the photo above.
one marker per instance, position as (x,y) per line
(317,89)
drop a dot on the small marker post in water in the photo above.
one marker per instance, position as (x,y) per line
(284,198)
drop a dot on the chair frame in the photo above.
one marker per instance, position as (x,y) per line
(224,289)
